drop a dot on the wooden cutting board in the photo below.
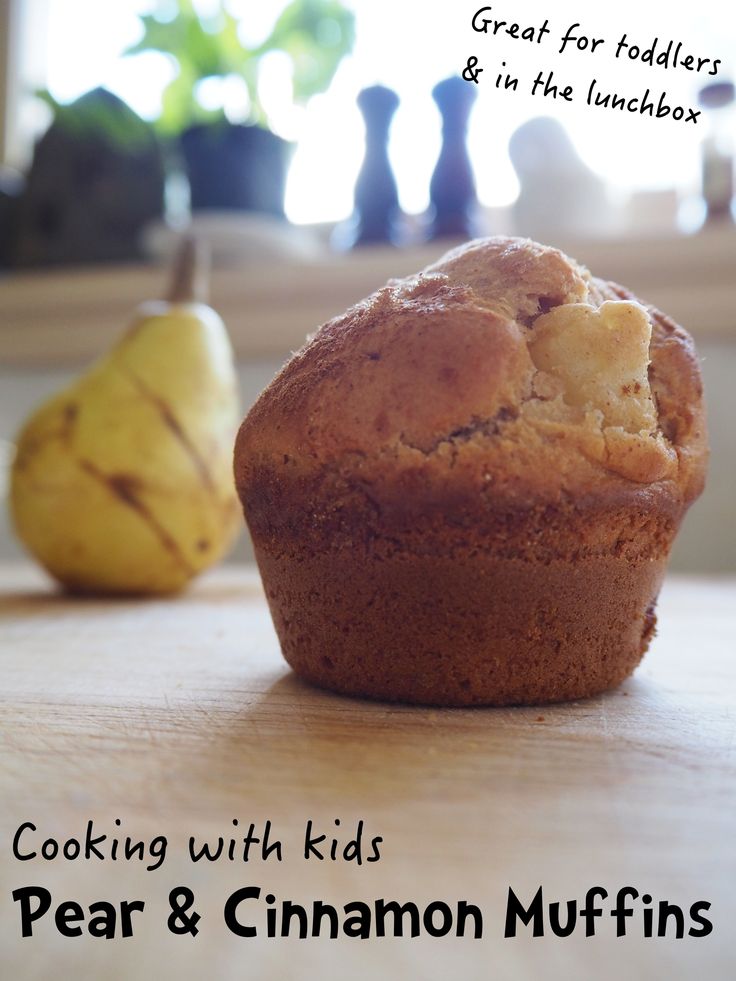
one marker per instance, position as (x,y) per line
(178,716)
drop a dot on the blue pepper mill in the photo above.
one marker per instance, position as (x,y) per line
(452,189)
(376,196)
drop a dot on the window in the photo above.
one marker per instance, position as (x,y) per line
(410,46)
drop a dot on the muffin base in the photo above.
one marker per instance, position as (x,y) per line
(465,628)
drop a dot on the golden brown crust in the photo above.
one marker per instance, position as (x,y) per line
(437,369)
(464,490)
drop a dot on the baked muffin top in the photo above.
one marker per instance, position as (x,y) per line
(504,366)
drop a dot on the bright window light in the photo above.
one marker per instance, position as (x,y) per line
(410,46)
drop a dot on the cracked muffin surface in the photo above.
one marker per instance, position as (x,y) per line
(498,414)
(503,347)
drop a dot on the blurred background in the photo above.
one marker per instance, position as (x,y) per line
(323,146)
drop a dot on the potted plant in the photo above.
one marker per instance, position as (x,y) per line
(97,151)
(240,165)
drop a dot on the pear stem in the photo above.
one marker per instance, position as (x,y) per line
(190,273)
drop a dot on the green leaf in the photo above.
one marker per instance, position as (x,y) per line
(99,114)
(314,34)
(177,105)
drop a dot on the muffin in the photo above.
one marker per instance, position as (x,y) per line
(464,490)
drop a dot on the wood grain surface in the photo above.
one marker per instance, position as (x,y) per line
(178,716)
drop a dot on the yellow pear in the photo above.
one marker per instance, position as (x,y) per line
(122,482)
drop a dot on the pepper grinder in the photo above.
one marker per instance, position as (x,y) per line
(452,189)
(376,196)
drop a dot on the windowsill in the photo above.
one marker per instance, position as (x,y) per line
(71,315)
